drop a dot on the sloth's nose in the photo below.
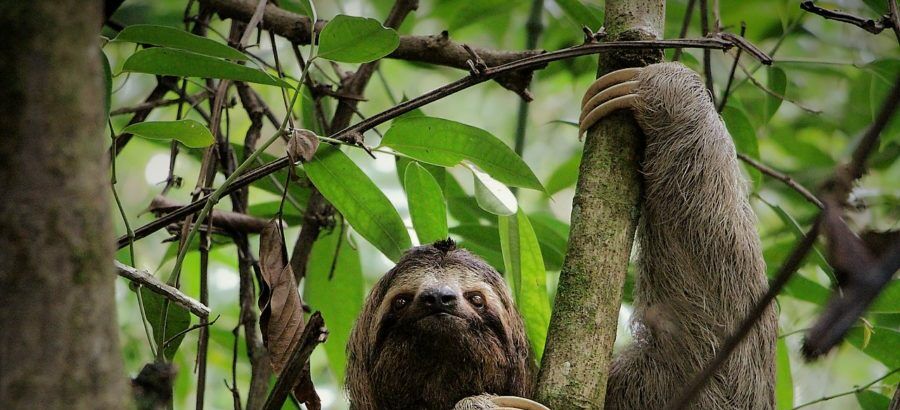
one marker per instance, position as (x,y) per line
(439,299)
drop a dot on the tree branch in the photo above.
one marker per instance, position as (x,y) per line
(313,334)
(872,26)
(791,182)
(436,49)
(147,280)
(425,99)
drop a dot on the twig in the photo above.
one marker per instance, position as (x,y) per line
(688,13)
(533,29)
(847,393)
(791,182)
(895,18)
(765,89)
(313,334)
(144,278)
(162,102)
(707,58)
(188,330)
(449,89)
(232,222)
(872,26)
(737,58)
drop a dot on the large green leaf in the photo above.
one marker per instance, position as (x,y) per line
(565,175)
(784,384)
(176,321)
(427,207)
(525,269)
(881,346)
(356,197)
(491,195)
(744,137)
(351,39)
(165,36)
(447,143)
(581,13)
(553,236)
(335,286)
(180,63)
(189,132)
(776,82)
(889,299)
(870,400)
(107,84)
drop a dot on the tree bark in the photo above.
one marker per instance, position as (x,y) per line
(605,212)
(59,343)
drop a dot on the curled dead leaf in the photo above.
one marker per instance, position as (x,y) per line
(302,145)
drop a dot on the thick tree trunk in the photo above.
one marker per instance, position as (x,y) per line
(58,344)
(604,217)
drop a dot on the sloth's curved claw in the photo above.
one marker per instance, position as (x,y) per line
(516,403)
(611,92)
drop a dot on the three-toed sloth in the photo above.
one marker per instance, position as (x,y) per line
(440,330)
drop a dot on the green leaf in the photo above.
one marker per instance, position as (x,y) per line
(525,269)
(784,385)
(356,40)
(165,36)
(889,299)
(798,232)
(335,286)
(180,63)
(107,84)
(356,197)
(553,236)
(446,143)
(776,82)
(177,321)
(578,11)
(565,175)
(189,132)
(427,207)
(491,195)
(744,137)
(882,345)
(870,400)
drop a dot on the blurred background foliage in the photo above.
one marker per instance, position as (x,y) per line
(832,76)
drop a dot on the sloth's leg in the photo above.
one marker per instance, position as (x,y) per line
(611,92)
(491,402)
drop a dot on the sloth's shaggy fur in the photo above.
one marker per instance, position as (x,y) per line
(700,267)
(415,358)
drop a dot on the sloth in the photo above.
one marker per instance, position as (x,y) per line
(440,330)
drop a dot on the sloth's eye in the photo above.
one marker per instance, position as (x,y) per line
(476,300)
(400,302)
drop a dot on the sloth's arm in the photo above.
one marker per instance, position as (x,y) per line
(491,402)
(700,267)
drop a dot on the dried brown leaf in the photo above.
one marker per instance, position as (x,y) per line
(302,145)
(281,317)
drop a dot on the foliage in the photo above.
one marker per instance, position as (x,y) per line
(801,116)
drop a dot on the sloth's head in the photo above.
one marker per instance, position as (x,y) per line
(440,326)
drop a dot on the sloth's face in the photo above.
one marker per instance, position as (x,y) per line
(449,305)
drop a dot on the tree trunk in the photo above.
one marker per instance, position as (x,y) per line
(605,211)
(59,344)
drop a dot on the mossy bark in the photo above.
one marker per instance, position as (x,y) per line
(58,344)
(605,212)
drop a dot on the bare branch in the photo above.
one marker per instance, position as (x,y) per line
(147,280)
(870,25)
(783,178)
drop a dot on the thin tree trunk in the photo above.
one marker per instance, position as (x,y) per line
(59,343)
(605,212)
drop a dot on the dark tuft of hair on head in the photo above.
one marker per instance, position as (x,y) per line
(445,245)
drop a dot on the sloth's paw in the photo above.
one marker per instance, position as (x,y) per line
(491,402)
(611,92)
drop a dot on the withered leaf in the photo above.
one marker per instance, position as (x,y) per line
(281,317)
(302,145)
